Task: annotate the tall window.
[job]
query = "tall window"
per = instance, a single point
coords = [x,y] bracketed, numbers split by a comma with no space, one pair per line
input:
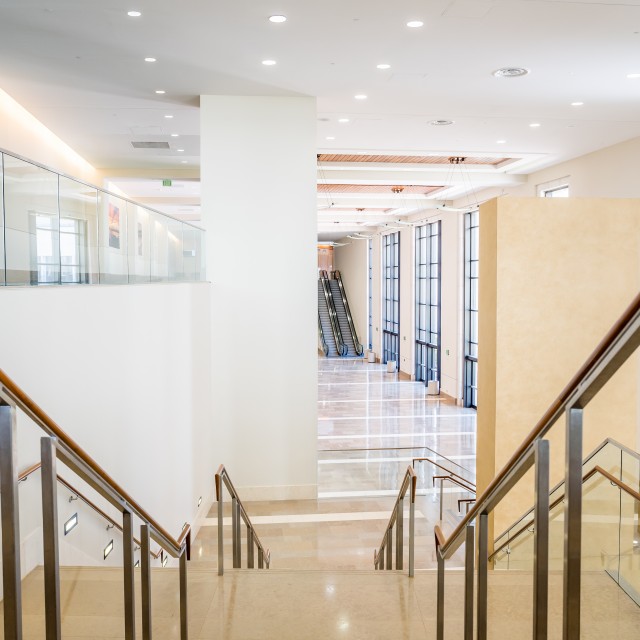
[391,298]
[428,268]
[370,295]
[471,256]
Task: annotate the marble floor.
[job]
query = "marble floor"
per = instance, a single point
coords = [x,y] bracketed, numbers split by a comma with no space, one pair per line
[371,426]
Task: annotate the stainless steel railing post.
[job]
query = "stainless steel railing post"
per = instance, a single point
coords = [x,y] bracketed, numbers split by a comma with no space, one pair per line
[220,526]
[235,530]
[48,477]
[572,526]
[260,559]
[441,480]
[184,618]
[389,548]
[145,578]
[541,541]
[483,562]
[469,558]
[440,599]
[11,577]
[129,577]
[412,527]
[399,535]
[249,548]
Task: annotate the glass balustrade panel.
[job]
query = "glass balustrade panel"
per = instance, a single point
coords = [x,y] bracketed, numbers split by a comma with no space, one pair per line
[2,261]
[139,219]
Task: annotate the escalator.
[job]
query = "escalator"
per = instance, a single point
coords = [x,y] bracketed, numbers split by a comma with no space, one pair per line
[325,325]
[345,320]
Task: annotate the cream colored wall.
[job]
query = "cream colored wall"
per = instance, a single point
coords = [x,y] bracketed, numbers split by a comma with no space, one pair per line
[554,276]
[352,261]
[22,134]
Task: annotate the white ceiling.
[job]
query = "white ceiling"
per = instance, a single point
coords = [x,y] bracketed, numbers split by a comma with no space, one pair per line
[79,67]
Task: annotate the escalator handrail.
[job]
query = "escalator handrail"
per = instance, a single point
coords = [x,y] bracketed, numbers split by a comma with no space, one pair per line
[325,346]
[352,328]
[342,348]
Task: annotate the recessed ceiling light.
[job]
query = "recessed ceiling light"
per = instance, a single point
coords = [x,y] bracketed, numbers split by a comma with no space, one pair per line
[383,66]
[501,141]
[277,19]
[633,76]
[511,72]
[360,96]
[183,161]
[134,14]
[160,92]
[180,150]
[577,104]
[169,116]
[175,135]
[150,60]
[534,125]
[415,24]
[331,137]
[343,120]
[268,63]
[441,123]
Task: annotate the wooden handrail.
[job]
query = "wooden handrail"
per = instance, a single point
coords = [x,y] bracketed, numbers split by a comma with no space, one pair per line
[550,416]
[33,468]
[597,469]
[40,417]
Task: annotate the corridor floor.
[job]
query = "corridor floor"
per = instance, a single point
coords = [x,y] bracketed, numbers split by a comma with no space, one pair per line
[371,425]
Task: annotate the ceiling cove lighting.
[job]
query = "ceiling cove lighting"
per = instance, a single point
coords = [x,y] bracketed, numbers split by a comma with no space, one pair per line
[277,19]
[383,66]
[415,24]
[71,524]
[134,14]
[360,96]
[108,549]
[268,63]
[150,60]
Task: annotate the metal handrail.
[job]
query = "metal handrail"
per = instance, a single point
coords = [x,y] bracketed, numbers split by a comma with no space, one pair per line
[619,342]
[333,316]
[74,456]
[382,558]
[612,352]
[24,475]
[58,445]
[325,346]
[596,451]
[440,466]
[352,327]
[237,511]
[587,476]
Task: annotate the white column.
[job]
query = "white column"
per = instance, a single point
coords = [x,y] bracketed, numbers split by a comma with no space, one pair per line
[259,209]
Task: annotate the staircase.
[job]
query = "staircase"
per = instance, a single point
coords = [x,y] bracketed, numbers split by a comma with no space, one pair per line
[325,322]
[343,321]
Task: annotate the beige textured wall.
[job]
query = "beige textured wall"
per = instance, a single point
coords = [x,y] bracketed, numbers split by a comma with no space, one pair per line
[554,276]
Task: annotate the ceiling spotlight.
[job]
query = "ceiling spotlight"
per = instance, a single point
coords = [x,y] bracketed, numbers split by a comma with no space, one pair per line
[150,60]
[183,162]
[134,14]
[633,76]
[511,72]
[415,24]
[360,96]
[175,135]
[534,125]
[268,63]
[331,137]
[441,123]
[383,66]
[160,92]
[397,189]
[501,141]
[277,19]
[343,120]
[180,150]
[577,104]
[168,116]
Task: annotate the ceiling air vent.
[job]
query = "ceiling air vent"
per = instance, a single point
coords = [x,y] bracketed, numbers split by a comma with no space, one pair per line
[150,145]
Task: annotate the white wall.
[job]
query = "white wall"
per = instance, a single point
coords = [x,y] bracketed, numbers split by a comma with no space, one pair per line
[259,207]
[125,371]
[352,261]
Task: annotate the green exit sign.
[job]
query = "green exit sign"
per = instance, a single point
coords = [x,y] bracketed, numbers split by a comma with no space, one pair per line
[166,182]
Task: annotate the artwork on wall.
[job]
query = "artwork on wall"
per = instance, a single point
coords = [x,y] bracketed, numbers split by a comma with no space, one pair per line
[139,238]
[114,226]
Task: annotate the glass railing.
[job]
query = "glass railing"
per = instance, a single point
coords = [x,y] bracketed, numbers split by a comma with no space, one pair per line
[610,529]
[58,230]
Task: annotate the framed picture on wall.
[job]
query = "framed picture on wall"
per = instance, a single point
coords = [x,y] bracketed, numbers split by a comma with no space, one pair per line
[114,226]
